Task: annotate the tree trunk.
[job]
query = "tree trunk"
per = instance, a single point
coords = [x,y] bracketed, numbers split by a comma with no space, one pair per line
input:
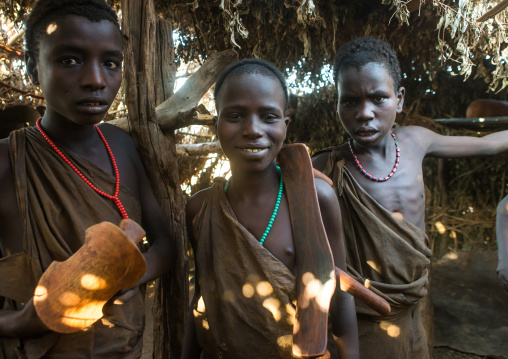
[149,73]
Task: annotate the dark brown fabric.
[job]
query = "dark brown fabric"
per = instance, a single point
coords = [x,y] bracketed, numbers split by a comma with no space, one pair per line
[391,257]
[231,264]
[57,206]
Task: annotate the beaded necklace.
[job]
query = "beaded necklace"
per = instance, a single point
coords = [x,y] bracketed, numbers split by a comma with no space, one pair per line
[114,197]
[369,176]
[275,210]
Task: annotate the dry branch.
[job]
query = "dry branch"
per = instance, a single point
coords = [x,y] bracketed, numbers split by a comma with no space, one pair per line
[3,84]
[198,149]
[180,108]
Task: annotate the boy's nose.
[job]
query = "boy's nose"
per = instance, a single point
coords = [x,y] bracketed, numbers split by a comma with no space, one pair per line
[93,76]
[364,112]
[252,127]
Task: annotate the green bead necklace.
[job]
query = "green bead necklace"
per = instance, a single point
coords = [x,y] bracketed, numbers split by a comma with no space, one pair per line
[275,210]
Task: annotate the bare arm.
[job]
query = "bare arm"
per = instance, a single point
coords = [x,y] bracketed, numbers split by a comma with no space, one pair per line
[502,243]
[342,308]
[437,145]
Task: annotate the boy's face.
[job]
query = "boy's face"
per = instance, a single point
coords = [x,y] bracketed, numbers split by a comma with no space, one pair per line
[79,68]
[251,125]
[368,103]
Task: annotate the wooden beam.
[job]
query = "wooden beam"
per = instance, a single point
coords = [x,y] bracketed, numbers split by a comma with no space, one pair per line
[179,109]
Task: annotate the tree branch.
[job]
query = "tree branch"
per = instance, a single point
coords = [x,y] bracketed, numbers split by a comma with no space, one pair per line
[3,84]
[198,149]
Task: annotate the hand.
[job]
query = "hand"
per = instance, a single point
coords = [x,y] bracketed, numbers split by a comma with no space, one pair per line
[124,295]
[22,324]
[502,275]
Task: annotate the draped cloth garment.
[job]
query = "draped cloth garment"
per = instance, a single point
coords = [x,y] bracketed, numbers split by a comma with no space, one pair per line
[246,306]
[391,257]
[56,207]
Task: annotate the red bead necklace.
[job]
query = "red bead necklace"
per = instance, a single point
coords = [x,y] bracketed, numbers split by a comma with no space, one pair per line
[369,176]
[115,198]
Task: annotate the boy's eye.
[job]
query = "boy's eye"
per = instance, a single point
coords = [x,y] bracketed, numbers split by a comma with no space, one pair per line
[270,118]
[112,64]
[233,116]
[347,102]
[69,61]
[379,99]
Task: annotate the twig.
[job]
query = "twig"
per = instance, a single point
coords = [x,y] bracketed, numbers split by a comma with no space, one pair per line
[3,84]
[494,11]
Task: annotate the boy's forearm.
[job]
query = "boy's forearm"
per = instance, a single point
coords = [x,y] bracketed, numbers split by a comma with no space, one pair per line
[344,325]
[501,138]
[21,324]
[159,259]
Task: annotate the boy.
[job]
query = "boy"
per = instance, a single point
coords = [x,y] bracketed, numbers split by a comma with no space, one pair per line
[378,179]
[244,245]
[65,175]
[502,245]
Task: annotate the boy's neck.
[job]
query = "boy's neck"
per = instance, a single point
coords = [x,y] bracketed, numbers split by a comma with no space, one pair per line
[251,185]
[383,148]
[67,133]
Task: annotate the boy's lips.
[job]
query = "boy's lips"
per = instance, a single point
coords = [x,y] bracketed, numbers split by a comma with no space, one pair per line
[93,105]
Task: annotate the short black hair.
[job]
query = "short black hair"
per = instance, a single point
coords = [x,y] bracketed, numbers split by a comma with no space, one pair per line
[46,11]
[365,50]
[252,66]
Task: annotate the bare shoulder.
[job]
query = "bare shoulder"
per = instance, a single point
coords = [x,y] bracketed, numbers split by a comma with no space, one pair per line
[116,135]
[326,195]
[194,204]
[413,134]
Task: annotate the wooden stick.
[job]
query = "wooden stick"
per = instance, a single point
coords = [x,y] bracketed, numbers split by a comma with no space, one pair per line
[493,12]
[350,285]
[3,84]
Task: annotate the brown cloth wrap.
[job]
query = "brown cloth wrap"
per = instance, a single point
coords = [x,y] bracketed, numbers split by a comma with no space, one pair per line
[56,207]
[247,296]
[391,257]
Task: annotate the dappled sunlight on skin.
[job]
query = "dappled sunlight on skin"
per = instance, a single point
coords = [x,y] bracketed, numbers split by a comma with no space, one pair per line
[264,288]
[318,291]
[273,306]
[248,290]
[374,266]
[391,329]
[506,207]
[51,28]
[399,217]
[440,227]
[93,282]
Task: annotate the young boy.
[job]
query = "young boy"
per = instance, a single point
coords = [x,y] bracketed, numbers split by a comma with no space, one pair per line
[242,236]
[502,243]
[378,179]
[61,177]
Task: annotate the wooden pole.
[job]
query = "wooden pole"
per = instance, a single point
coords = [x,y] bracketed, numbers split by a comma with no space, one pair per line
[149,74]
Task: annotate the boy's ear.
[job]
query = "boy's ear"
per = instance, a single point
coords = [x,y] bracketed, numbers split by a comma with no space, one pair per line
[31,67]
[400,99]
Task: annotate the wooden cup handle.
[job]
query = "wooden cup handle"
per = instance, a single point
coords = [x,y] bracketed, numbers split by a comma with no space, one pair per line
[350,285]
